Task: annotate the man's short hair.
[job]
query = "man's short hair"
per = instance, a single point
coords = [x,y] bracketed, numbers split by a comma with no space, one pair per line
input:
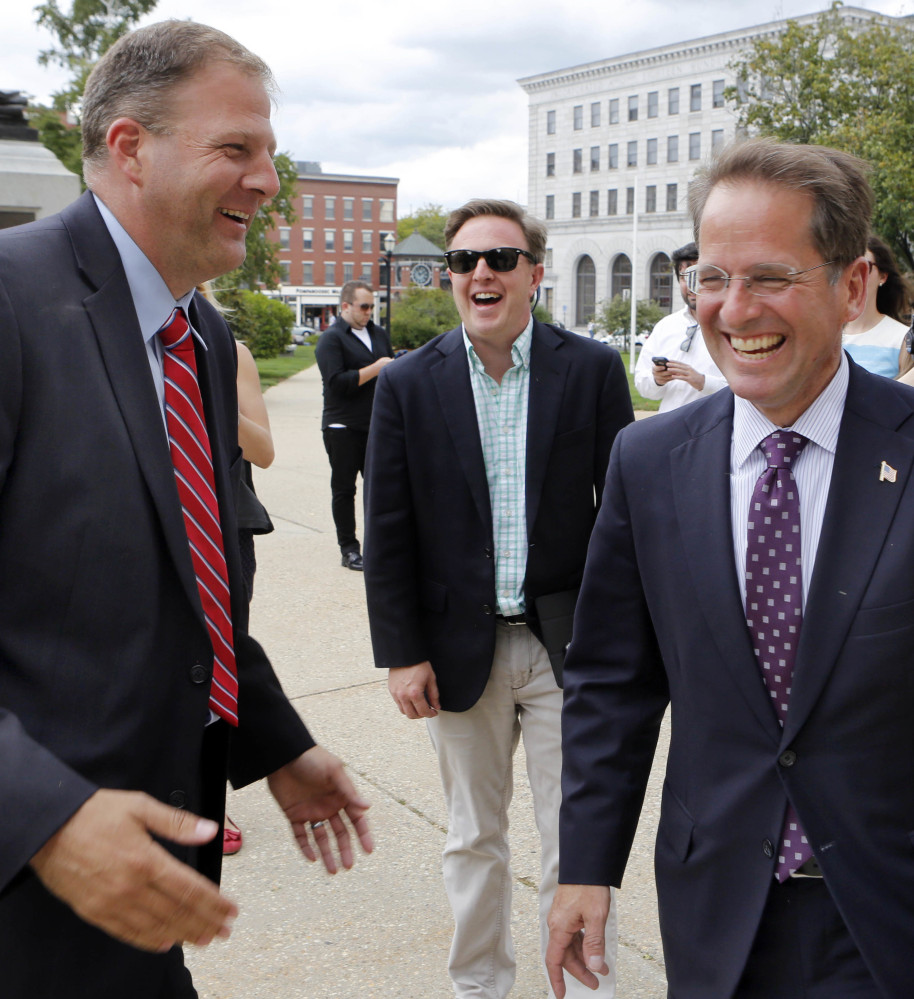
[685,254]
[347,292]
[534,231]
[836,181]
[136,76]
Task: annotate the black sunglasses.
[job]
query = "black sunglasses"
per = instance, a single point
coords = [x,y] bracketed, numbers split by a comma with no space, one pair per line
[500,259]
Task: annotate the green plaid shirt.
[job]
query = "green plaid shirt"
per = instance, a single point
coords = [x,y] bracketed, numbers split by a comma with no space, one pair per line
[501,412]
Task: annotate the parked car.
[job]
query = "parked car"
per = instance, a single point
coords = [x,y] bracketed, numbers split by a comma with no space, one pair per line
[300,333]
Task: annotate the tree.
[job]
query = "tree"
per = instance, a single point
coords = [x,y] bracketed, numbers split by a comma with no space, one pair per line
[614,316]
[427,221]
[422,313]
[834,82]
[264,324]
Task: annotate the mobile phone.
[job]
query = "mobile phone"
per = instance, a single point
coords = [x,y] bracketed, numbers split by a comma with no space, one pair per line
[661,362]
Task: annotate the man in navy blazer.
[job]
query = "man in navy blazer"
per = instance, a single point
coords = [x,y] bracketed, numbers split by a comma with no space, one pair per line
[112,780]
[662,619]
[486,459]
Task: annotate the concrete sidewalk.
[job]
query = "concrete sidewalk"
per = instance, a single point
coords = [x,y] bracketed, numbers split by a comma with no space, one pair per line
[382,930]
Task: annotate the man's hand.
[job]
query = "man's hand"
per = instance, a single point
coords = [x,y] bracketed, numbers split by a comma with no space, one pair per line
[661,373]
[106,866]
[577,928]
[373,370]
[686,373]
[314,792]
[415,690]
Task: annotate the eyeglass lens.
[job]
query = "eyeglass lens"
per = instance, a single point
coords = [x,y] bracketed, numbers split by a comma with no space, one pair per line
[499,259]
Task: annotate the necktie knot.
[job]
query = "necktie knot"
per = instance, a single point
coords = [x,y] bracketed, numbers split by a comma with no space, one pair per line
[176,332]
[782,447]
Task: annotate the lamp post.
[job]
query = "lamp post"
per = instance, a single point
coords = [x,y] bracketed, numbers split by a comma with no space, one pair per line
[390,241]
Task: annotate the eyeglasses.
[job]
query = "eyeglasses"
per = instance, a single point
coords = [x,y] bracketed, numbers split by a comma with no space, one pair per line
[765,279]
[364,306]
[501,259]
[689,337]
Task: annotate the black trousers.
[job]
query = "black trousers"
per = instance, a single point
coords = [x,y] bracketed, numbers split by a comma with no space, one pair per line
[346,451]
[803,949]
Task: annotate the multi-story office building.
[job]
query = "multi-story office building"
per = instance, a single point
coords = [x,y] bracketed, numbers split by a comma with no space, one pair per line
[337,236]
[613,147]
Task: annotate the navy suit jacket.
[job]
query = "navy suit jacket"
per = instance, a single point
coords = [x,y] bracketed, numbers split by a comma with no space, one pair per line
[105,660]
[660,618]
[429,560]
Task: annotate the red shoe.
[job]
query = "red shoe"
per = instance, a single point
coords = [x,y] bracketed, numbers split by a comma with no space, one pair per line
[231,838]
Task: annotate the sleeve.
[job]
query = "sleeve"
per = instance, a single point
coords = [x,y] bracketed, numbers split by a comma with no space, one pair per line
[331,360]
[615,413]
[644,377]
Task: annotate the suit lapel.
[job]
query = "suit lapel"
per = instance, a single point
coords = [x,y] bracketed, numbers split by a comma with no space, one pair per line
[548,374]
[701,468]
[451,377]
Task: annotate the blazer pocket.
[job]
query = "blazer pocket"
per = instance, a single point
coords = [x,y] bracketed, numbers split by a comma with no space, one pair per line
[876,620]
[433,596]
[572,438]
[676,825]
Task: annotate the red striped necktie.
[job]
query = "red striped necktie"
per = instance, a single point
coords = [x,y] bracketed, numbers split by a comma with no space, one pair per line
[193,461]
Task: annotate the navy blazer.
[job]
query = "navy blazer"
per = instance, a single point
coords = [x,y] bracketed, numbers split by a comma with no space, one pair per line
[429,565]
[105,660]
[660,618]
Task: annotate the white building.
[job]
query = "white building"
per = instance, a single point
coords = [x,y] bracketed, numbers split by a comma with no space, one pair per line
[624,133]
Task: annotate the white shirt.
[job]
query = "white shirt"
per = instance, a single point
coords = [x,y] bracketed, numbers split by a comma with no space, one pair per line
[666,341]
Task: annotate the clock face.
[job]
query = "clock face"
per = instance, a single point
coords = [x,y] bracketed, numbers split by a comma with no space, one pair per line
[421,274]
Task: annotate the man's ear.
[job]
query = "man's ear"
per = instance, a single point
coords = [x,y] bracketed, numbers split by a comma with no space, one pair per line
[124,139]
[856,277]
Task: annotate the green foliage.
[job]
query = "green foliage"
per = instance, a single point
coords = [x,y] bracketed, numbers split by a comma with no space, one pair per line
[541,315]
[428,221]
[614,316]
[834,84]
[273,370]
[264,324]
[420,315]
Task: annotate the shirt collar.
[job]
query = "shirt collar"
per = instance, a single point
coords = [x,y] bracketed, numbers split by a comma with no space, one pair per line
[151,298]
[520,349]
[820,423]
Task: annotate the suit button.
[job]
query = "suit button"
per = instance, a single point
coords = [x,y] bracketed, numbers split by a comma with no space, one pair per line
[199,674]
[486,609]
[767,848]
[487,552]
[787,758]
[177,799]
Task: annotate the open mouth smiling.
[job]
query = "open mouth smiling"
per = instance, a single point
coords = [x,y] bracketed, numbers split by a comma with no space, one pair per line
[757,347]
[485,298]
[237,216]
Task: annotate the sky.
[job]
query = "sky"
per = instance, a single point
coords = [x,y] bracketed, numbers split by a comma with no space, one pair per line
[428,92]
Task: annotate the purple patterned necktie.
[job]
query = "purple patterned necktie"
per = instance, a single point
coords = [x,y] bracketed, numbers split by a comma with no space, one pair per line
[774,598]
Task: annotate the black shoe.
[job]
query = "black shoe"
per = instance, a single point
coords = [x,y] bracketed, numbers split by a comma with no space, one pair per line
[352,560]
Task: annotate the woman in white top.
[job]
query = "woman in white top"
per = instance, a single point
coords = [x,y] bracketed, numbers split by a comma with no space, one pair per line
[874,339]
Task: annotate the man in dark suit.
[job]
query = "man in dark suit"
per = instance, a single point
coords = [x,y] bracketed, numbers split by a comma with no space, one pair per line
[771,604]
[350,354]
[486,457]
[114,736]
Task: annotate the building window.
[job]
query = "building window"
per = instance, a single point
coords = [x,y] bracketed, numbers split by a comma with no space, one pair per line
[550,206]
[594,158]
[614,111]
[348,272]
[595,114]
[695,97]
[348,236]
[578,117]
[366,272]
[672,198]
[694,145]
[387,209]
[550,123]
[548,300]
[577,165]
[307,276]
[284,238]
[717,93]
[613,163]
[547,261]
[633,108]
[307,239]
[717,138]
[653,104]
[348,209]
[621,280]
[651,152]
[329,238]
[672,100]
[367,244]
[330,208]
[612,202]
[329,273]
[576,205]
[632,157]
[307,207]
[367,210]
[672,149]
[629,201]
[650,198]
[586,289]
[594,204]
[662,281]
[284,271]
[550,164]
